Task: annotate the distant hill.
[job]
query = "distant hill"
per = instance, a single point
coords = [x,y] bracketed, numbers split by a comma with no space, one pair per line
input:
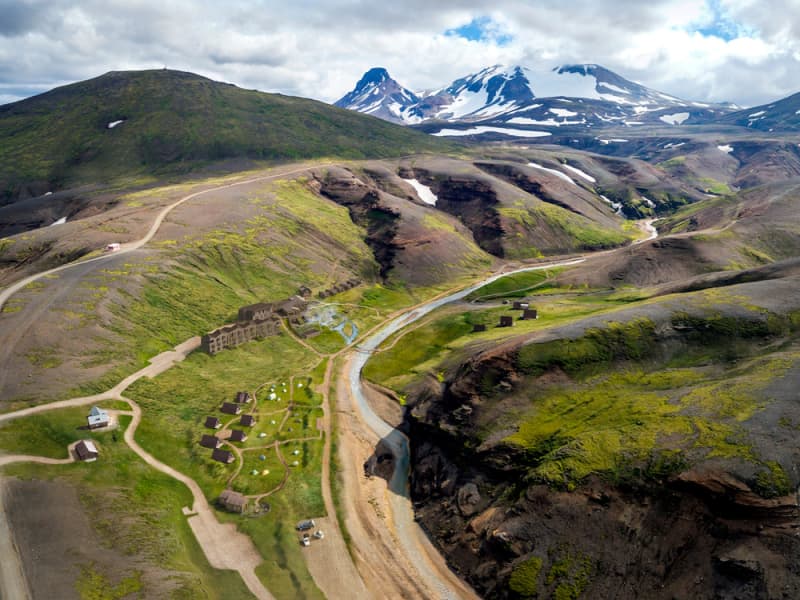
[161,121]
[781,115]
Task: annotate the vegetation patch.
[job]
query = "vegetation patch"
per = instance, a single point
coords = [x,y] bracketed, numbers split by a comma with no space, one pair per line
[525,577]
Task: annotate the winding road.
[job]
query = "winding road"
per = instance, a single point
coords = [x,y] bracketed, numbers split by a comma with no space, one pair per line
[223,545]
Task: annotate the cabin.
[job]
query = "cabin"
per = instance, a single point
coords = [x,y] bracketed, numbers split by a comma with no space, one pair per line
[242,397]
[247,421]
[86,451]
[222,456]
[232,501]
[237,435]
[210,441]
[529,313]
[229,408]
[506,321]
[97,418]
[478,327]
[213,423]
[521,304]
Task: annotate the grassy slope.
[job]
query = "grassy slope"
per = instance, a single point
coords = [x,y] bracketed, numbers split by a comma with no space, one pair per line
[172,120]
[626,408]
[151,524]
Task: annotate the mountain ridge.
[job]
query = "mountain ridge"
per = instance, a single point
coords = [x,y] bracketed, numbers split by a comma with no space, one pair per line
[499,93]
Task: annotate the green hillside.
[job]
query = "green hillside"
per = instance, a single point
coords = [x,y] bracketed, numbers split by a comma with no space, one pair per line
[171,121]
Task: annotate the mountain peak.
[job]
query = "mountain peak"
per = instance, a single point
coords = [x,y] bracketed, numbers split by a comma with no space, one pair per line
[377,94]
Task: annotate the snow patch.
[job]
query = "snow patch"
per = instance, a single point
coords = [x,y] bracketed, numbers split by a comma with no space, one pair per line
[558,174]
[649,202]
[673,145]
[546,123]
[61,221]
[423,191]
[617,206]
[613,141]
[727,148]
[563,112]
[757,114]
[484,129]
[675,119]
[115,123]
[580,173]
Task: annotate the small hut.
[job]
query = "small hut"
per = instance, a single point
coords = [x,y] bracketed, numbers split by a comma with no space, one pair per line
[237,435]
[242,397]
[232,501]
[529,313]
[210,441]
[229,408]
[247,421]
[222,456]
[97,418]
[86,451]
[213,423]
[506,321]
[478,327]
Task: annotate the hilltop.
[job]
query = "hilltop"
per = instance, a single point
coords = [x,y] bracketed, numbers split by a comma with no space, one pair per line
[127,123]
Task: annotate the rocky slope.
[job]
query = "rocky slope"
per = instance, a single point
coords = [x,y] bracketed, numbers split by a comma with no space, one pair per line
[589,461]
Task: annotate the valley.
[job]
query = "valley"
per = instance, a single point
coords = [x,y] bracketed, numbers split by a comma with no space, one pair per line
[557,366]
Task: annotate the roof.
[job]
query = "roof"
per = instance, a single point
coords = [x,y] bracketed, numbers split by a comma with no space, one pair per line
[230,408]
[97,412]
[97,419]
[212,421]
[86,449]
[232,498]
[209,441]
[237,435]
[247,420]
[222,455]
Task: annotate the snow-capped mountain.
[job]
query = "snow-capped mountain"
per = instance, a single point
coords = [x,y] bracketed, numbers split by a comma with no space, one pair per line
[586,95]
[781,115]
[491,92]
[377,94]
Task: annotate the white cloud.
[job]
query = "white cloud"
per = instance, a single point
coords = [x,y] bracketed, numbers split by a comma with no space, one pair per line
[320,48]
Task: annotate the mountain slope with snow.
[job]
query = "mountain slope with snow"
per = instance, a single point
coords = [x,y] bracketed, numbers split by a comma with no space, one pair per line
[780,115]
[377,94]
[583,95]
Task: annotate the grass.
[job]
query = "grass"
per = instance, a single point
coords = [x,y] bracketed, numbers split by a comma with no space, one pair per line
[49,433]
[514,286]
[175,405]
[613,424]
[524,578]
[177,122]
[417,351]
[135,511]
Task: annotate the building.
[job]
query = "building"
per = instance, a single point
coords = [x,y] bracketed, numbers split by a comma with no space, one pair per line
[478,327]
[86,451]
[521,304]
[506,321]
[232,501]
[97,418]
[529,313]
[222,456]
[213,423]
[256,312]
[210,441]
[229,408]
[237,435]
[242,397]
[231,336]
[247,421]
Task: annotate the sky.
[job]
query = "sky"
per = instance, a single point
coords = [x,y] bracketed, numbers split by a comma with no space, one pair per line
[742,51]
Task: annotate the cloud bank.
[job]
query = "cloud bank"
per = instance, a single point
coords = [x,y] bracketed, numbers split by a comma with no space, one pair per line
[708,50]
